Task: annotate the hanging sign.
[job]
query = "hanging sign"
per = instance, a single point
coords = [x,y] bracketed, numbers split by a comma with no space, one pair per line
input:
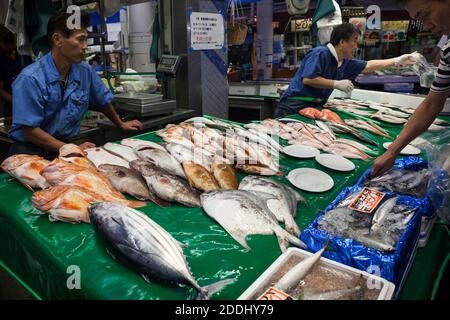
[300,25]
[207,31]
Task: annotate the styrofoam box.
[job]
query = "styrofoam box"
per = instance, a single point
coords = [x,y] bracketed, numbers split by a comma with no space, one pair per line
[262,283]
[425,230]
[269,90]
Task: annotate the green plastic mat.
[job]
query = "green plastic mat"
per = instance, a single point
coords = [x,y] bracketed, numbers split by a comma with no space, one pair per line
[44,254]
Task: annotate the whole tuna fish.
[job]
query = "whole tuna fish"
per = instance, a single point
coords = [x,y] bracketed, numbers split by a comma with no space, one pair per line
[284,206]
[137,241]
[165,185]
[243,213]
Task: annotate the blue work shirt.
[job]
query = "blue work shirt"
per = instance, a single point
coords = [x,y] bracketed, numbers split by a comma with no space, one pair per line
[39,100]
[320,62]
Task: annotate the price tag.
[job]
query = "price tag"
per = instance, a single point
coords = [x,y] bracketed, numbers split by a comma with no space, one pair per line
[274,294]
[367,200]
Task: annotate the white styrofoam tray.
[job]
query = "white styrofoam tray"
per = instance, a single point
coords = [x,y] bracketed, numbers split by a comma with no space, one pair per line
[262,283]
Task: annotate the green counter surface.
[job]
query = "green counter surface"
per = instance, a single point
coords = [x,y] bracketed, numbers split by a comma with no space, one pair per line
[43,254]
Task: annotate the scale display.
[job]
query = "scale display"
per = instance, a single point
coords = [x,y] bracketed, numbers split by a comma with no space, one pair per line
[168,64]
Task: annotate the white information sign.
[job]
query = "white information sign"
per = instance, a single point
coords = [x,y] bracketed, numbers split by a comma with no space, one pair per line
[207,31]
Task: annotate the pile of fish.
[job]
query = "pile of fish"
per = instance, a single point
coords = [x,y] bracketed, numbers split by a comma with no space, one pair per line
[205,142]
[320,136]
[380,230]
[410,182]
[380,111]
[256,208]
[325,115]
[135,240]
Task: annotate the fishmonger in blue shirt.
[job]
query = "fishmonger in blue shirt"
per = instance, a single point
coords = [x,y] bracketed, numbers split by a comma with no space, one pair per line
[330,67]
[51,96]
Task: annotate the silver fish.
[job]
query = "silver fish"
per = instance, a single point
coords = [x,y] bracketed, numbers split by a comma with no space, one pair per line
[243,213]
[298,272]
[284,206]
[131,182]
[120,150]
[137,241]
[165,185]
[137,144]
[162,159]
[381,213]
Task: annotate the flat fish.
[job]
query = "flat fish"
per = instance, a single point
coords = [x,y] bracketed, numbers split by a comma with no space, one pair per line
[125,152]
[162,159]
[166,185]
[283,206]
[27,169]
[243,213]
[135,240]
[137,144]
[99,156]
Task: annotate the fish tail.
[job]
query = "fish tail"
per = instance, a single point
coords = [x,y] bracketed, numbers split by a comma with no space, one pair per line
[206,292]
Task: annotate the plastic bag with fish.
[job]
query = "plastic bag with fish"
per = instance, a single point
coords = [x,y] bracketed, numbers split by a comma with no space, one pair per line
[353,242]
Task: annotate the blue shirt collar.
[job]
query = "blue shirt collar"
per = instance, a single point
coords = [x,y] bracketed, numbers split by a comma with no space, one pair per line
[53,73]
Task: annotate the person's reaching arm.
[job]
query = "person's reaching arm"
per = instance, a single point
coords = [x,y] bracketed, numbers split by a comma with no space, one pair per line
[422,118]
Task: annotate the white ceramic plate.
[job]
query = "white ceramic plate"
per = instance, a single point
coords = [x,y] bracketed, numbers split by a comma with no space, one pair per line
[335,162]
[300,151]
[311,180]
[409,150]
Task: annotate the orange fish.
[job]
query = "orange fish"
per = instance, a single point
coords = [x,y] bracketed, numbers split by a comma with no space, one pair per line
[311,113]
[66,203]
[60,172]
[74,154]
[330,116]
[26,168]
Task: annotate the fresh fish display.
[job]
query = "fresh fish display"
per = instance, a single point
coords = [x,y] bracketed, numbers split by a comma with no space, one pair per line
[120,150]
[243,213]
[73,154]
[27,169]
[283,206]
[165,185]
[409,182]
[292,278]
[135,240]
[162,159]
[382,234]
[99,156]
[368,126]
[351,131]
[126,181]
[225,175]
[325,114]
[137,144]
[199,177]
[196,155]
[388,118]
[59,173]
[65,203]
[258,170]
